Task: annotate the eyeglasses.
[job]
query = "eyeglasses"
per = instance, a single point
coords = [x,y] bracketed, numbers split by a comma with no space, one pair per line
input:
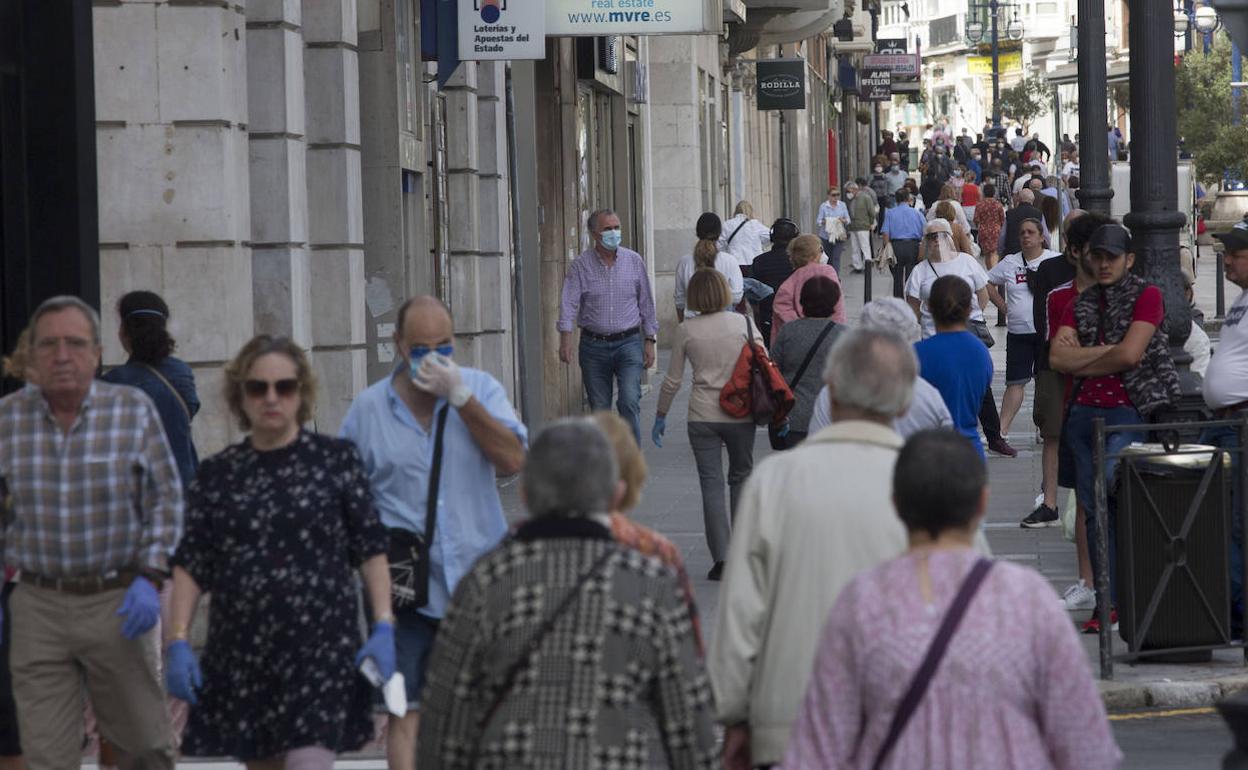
[50,344]
[260,388]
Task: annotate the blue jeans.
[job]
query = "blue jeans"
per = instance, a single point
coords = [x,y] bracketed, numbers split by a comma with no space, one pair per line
[1079,428]
[414,635]
[602,364]
[1228,438]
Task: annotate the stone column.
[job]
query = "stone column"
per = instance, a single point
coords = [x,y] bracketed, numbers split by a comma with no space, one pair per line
[494,343]
[171,139]
[677,168]
[335,205]
[278,163]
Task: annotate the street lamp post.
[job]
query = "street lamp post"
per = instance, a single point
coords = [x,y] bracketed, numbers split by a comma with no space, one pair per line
[975,34]
[1095,192]
[1155,219]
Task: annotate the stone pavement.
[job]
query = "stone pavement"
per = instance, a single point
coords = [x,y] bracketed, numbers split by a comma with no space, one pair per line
[672,505]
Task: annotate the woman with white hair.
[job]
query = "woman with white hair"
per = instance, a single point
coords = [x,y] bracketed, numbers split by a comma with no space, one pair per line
[928,409]
[561,647]
[743,236]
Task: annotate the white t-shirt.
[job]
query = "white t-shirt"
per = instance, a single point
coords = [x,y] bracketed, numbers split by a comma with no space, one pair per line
[1226,380]
[925,274]
[1011,272]
[927,410]
[1070,169]
[748,241]
[724,263]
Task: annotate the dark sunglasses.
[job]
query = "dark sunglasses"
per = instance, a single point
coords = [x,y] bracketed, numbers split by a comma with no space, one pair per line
[260,388]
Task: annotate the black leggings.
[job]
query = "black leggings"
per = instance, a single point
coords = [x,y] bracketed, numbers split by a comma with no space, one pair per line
[989,419]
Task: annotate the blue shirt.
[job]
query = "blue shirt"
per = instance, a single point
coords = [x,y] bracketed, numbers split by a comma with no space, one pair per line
[175,419]
[959,366]
[902,223]
[974,165]
[828,211]
[397,453]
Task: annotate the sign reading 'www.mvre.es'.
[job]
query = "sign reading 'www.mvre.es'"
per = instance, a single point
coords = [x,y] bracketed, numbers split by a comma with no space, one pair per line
[633,17]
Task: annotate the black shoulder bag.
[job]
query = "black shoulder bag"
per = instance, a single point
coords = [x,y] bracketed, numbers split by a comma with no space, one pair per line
[779,442]
[931,661]
[744,222]
[409,551]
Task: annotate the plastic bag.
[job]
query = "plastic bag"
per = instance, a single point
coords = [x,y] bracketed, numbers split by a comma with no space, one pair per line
[1070,513]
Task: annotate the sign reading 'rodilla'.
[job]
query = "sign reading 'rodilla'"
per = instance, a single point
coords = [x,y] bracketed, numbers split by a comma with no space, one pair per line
[781,84]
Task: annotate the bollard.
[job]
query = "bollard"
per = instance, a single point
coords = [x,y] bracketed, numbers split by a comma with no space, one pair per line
[1234,710]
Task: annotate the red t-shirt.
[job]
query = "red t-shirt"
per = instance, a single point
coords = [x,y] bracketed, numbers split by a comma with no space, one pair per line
[1108,392]
[1059,299]
[970,194]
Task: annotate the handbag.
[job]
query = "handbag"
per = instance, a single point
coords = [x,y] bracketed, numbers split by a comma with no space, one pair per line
[980,329]
[756,388]
[409,551]
[779,442]
[931,661]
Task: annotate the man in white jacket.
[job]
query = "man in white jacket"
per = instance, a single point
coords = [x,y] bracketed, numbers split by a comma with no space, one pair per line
[808,521]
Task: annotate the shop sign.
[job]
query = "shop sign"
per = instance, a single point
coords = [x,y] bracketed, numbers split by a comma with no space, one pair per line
[582,18]
[1006,62]
[875,85]
[502,29]
[781,84]
[900,64]
[894,45]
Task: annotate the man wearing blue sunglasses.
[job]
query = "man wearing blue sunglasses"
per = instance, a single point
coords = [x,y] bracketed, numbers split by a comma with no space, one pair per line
[398,424]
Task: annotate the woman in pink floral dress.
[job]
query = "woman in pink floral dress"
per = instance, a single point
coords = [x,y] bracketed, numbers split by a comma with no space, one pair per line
[1013,691]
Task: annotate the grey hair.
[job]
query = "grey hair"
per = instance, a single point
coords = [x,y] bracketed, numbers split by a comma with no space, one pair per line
[891,314]
[594,216]
[64,302]
[873,371]
[571,470]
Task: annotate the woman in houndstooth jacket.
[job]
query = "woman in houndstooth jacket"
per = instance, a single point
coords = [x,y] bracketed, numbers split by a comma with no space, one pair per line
[561,648]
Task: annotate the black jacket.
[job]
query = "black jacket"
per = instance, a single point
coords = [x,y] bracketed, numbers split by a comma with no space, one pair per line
[772,268]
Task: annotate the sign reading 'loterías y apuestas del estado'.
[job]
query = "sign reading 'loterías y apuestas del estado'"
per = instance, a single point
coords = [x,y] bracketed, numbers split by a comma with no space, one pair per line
[633,17]
[502,29]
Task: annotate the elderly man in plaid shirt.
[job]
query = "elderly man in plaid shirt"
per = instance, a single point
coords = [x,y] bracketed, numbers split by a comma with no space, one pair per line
[95,509]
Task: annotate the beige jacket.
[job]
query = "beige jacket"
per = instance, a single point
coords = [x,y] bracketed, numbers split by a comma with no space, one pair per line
[808,521]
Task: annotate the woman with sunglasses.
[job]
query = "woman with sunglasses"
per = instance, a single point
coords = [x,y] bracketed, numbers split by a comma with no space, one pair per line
[276,525]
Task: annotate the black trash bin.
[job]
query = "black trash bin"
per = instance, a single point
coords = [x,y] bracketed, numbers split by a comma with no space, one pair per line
[1173,549]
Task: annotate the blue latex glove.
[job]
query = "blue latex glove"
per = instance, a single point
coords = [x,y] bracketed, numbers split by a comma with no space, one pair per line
[784,430]
[182,675]
[141,608]
[656,433]
[379,647]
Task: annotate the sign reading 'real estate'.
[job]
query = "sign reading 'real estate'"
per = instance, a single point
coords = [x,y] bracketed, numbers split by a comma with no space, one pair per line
[580,18]
[502,29]
[781,84]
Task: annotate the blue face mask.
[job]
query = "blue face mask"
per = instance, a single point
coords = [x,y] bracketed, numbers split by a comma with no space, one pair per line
[418,353]
[611,239]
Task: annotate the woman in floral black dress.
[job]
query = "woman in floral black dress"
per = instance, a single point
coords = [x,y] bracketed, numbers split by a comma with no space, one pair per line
[275,527]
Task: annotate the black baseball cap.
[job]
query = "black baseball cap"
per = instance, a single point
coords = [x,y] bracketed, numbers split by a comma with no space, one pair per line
[1113,239]
[1236,238]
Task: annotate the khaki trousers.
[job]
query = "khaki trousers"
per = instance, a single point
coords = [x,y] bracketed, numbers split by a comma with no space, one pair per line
[62,642]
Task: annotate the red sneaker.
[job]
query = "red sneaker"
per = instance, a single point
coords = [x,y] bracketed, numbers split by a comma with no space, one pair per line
[1001,447]
[1093,626]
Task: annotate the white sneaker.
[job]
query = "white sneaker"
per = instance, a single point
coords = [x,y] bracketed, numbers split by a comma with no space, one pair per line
[1079,597]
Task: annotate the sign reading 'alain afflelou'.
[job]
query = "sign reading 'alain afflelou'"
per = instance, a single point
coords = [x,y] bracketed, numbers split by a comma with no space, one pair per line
[781,84]
[502,29]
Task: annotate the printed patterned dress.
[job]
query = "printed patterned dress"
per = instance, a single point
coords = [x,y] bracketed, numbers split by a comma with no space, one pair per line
[1013,692]
[276,537]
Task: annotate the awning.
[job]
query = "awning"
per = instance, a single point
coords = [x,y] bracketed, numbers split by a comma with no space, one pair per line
[1068,74]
